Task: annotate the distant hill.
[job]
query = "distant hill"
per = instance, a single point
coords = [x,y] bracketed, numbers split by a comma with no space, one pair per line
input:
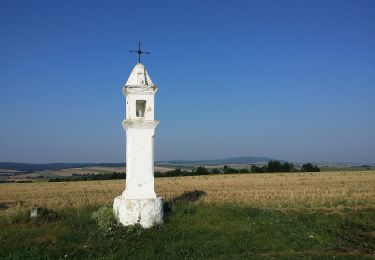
[29,167]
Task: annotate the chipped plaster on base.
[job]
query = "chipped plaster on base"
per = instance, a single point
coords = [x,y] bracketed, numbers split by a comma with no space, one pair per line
[146,212]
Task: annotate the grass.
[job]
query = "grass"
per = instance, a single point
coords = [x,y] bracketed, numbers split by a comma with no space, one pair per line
[319,215]
[192,231]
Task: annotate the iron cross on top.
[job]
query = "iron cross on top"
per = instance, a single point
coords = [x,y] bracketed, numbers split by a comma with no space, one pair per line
[140,52]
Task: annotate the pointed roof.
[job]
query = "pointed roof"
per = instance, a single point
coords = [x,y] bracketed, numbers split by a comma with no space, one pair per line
[139,77]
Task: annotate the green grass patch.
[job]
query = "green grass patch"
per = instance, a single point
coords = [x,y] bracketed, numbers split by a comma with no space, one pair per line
[190,231]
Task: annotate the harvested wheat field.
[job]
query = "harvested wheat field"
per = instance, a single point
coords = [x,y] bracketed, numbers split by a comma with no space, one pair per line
[290,215]
[324,190]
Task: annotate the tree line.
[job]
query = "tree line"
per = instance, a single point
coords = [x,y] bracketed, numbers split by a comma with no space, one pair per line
[91,177]
[271,167]
[276,166]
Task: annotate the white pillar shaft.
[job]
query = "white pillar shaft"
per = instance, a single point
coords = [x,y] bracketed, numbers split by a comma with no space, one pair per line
[139,163]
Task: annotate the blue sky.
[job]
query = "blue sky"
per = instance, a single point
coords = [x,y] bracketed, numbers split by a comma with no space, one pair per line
[291,80]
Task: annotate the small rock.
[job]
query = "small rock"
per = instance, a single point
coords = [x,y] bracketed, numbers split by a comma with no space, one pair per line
[34,212]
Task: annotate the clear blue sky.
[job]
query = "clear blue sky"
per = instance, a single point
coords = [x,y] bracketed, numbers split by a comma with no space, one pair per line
[291,80]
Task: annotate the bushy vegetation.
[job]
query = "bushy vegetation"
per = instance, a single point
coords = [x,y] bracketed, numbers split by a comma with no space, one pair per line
[308,167]
[91,177]
[276,166]
[16,181]
[174,173]
[270,167]
[200,170]
[105,219]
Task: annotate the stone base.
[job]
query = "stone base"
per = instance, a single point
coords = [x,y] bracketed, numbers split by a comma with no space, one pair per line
[147,212]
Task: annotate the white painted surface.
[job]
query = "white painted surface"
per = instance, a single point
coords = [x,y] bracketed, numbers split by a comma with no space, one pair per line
[139,77]
[139,124]
[139,160]
[146,212]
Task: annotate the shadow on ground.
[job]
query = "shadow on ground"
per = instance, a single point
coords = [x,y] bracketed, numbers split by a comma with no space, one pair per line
[187,196]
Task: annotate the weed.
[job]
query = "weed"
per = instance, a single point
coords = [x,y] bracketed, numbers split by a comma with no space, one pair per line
[110,227]
[105,219]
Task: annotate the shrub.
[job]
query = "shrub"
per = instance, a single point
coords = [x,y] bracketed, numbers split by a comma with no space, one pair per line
[215,171]
[274,166]
[256,169]
[105,219]
[201,171]
[308,167]
[229,170]
[287,167]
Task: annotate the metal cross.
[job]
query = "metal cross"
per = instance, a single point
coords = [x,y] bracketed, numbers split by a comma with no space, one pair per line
[140,52]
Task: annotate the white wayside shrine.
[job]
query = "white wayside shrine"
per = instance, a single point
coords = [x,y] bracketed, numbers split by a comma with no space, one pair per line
[138,204]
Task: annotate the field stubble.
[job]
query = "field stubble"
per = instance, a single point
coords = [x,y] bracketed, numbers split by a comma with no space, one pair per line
[324,190]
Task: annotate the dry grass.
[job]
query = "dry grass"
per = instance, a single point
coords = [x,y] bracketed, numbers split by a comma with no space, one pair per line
[326,190]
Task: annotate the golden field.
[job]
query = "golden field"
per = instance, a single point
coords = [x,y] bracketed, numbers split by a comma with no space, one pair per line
[324,190]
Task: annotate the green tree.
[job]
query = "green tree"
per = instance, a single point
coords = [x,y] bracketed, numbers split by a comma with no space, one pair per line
[201,171]
[229,170]
[308,167]
[256,169]
[274,166]
[287,167]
